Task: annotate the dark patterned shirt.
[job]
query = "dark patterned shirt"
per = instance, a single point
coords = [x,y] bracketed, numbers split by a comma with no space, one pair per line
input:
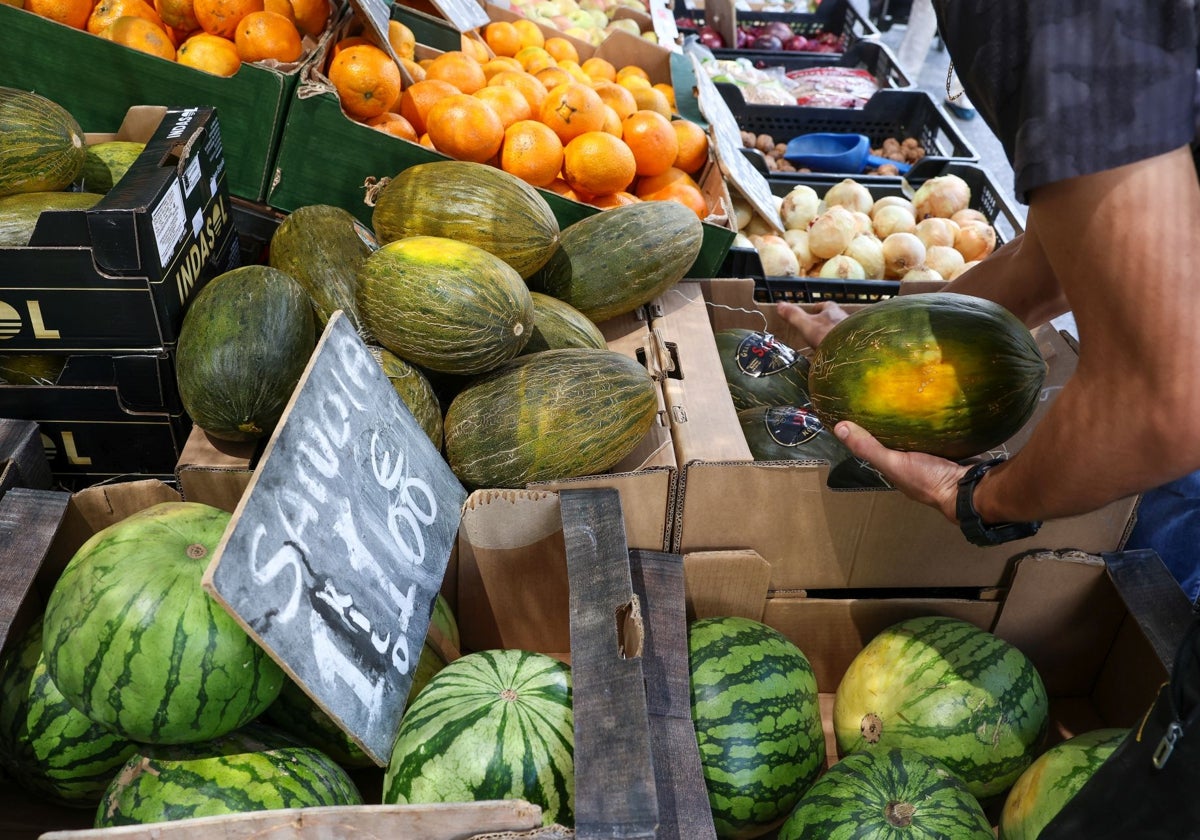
[1073,87]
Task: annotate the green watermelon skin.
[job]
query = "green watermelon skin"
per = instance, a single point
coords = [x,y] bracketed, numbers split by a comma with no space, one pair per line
[135,643]
[950,690]
[1052,780]
[251,769]
[47,746]
[887,795]
[757,719]
[495,724]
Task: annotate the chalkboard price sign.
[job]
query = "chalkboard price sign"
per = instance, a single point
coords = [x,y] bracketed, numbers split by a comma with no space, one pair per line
[339,545]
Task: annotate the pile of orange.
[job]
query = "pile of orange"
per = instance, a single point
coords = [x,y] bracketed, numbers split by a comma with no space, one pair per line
[525,103]
[215,36]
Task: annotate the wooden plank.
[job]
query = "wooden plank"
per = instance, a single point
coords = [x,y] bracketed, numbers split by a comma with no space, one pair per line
[683,809]
[29,519]
[614,777]
[1153,598]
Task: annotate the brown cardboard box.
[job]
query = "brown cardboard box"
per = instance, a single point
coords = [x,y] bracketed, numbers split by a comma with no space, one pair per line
[813,537]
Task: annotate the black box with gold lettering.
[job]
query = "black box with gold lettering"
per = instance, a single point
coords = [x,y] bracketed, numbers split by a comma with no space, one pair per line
[118,276]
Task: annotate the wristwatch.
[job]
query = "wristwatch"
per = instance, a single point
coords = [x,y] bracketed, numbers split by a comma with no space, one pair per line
[972,524]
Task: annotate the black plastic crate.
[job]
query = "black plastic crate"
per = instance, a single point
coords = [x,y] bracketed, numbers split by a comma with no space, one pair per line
[872,56]
[838,17]
[817,289]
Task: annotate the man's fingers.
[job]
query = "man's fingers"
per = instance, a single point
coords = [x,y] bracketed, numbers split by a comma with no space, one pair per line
[863,444]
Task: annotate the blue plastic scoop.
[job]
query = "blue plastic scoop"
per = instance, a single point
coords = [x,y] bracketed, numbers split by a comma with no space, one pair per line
[832,152]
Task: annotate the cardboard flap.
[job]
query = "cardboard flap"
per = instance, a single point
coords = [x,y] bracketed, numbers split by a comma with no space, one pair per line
[1154,598]
[29,519]
[726,583]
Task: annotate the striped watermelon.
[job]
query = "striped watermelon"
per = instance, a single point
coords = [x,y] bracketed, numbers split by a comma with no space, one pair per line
[51,749]
[894,794]
[754,705]
[251,769]
[946,688]
[136,644]
[496,724]
[1050,782]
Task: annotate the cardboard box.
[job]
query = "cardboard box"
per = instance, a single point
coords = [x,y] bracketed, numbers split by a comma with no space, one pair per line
[813,537]
[22,458]
[98,81]
[118,276]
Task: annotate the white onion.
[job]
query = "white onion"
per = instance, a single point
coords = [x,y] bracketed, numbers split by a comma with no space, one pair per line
[814,270]
[799,207]
[842,267]
[969,214]
[922,274]
[936,231]
[758,225]
[777,258]
[975,240]
[741,240]
[943,259]
[868,251]
[798,241]
[831,232]
[901,253]
[742,212]
[893,219]
[893,201]
[863,223]
[850,194]
[942,196]
[962,268]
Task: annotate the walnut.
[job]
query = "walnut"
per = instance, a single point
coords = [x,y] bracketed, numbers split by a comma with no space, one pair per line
[890,146]
[911,143]
[765,143]
[784,165]
[887,169]
[916,154]
[749,139]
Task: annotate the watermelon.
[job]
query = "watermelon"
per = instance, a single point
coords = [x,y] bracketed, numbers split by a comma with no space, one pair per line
[49,747]
[135,643]
[761,370]
[950,690]
[1053,779]
[754,705]
[254,768]
[496,724]
[887,795]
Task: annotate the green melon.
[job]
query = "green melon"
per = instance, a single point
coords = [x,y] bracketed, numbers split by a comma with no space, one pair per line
[557,325]
[495,724]
[415,390]
[19,213]
[135,643]
[760,370]
[758,723]
[948,689]
[107,162]
[41,145]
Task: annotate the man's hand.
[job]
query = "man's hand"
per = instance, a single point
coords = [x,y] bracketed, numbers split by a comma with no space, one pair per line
[924,478]
[813,326]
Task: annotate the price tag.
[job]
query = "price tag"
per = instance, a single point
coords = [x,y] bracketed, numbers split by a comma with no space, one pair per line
[338,547]
[727,140]
[376,14]
[664,25]
[464,15]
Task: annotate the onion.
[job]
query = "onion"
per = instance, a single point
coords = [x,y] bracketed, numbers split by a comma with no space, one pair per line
[962,268]
[943,259]
[741,240]
[893,219]
[942,196]
[975,240]
[922,274]
[969,214]
[800,206]
[893,200]
[842,267]
[868,252]
[850,194]
[863,223]
[742,212]
[798,240]
[759,225]
[777,258]
[901,253]
[814,270]
[831,232]
[936,231]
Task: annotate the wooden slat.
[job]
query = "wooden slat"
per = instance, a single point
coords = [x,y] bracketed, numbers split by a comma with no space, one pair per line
[29,519]
[614,776]
[683,809]
[1153,597]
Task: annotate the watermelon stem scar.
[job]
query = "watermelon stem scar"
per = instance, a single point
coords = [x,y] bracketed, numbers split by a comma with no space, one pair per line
[872,728]
[900,814]
[196,551]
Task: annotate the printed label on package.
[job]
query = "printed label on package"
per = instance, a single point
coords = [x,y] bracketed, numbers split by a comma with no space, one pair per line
[192,175]
[759,354]
[789,425]
[169,220]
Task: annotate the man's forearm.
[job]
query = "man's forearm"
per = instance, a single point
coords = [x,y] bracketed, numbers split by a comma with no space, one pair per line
[1018,278]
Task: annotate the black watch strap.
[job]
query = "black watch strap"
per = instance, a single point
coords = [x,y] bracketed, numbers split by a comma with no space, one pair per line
[972,524]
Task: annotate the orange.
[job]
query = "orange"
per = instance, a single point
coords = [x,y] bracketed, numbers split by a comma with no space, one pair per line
[693,146]
[474,48]
[632,70]
[465,128]
[617,199]
[501,63]
[652,140]
[508,103]
[531,35]
[417,99]
[503,38]
[141,34]
[267,35]
[632,81]
[573,109]
[459,69]
[415,71]
[686,194]
[552,77]
[426,142]
[106,11]
[177,14]
[617,98]
[73,13]
[560,187]
[650,99]
[210,53]
[652,183]
[366,79]
[280,7]
[596,163]
[402,39]
[345,43]
[220,17]
[612,122]
[668,91]
[390,123]
[576,72]
[311,15]
[561,49]
[533,90]
[599,69]
[534,59]
[532,152]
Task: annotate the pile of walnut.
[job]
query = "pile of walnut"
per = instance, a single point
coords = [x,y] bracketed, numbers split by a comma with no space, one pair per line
[907,151]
